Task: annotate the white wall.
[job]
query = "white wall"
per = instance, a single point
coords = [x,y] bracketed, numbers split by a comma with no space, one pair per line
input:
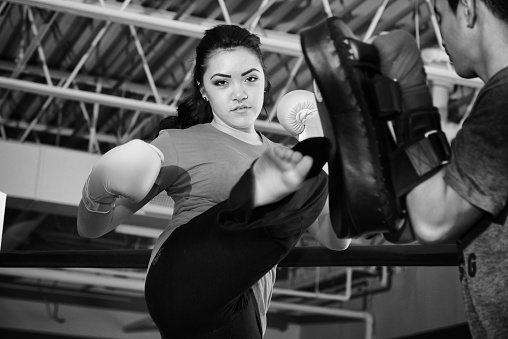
[421,299]
[50,179]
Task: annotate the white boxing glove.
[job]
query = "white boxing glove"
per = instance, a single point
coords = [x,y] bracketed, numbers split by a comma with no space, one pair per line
[126,171]
[297,112]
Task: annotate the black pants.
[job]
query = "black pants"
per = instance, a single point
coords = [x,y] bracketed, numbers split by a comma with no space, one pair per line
[199,285]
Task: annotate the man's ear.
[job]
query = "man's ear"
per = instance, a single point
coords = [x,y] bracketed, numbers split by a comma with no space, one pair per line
[469,12]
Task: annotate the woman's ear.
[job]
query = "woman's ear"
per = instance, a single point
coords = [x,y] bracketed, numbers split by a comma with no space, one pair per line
[201,90]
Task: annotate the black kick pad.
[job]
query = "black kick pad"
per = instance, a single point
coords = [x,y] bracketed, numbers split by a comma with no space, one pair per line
[355,103]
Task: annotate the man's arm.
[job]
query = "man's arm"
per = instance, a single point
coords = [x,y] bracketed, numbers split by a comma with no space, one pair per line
[438,213]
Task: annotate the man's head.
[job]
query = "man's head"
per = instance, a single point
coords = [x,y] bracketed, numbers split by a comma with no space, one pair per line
[499,8]
[472,30]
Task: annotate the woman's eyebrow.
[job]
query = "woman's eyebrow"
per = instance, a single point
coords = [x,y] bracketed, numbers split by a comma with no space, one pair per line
[220,75]
[250,70]
[229,76]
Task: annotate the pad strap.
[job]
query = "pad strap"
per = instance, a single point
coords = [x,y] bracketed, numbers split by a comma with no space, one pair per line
[388,98]
[418,159]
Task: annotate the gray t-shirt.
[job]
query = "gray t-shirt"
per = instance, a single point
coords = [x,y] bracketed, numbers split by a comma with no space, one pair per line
[478,172]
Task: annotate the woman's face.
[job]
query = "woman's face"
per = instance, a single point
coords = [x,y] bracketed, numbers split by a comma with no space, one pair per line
[234,84]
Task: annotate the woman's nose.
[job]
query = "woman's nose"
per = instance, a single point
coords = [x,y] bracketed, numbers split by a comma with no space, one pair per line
[239,93]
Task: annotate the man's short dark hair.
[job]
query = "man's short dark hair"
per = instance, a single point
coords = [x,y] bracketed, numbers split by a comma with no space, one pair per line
[499,8]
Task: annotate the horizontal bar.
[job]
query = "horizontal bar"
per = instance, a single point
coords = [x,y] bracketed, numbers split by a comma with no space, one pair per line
[309,256]
[85,96]
[162,21]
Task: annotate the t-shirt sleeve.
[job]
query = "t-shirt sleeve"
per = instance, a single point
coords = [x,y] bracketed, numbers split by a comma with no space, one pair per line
[170,170]
[478,170]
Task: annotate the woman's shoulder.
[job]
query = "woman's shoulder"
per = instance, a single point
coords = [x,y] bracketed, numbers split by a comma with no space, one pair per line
[197,134]
[206,134]
[193,130]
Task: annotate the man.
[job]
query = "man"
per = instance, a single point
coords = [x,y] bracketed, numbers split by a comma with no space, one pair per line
[467,200]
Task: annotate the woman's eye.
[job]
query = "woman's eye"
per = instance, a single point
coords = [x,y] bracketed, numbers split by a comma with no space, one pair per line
[220,82]
[252,79]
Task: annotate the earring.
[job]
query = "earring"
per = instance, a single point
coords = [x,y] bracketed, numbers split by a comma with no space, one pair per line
[205,98]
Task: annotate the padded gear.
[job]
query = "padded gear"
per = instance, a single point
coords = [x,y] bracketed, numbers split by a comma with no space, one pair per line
[423,147]
[128,170]
[361,92]
[294,109]
[354,118]
[401,60]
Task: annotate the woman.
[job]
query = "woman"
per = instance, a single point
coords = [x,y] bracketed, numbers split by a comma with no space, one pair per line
[241,201]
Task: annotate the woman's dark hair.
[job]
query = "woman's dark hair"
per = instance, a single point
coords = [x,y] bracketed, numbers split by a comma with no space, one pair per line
[499,8]
[193,109]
